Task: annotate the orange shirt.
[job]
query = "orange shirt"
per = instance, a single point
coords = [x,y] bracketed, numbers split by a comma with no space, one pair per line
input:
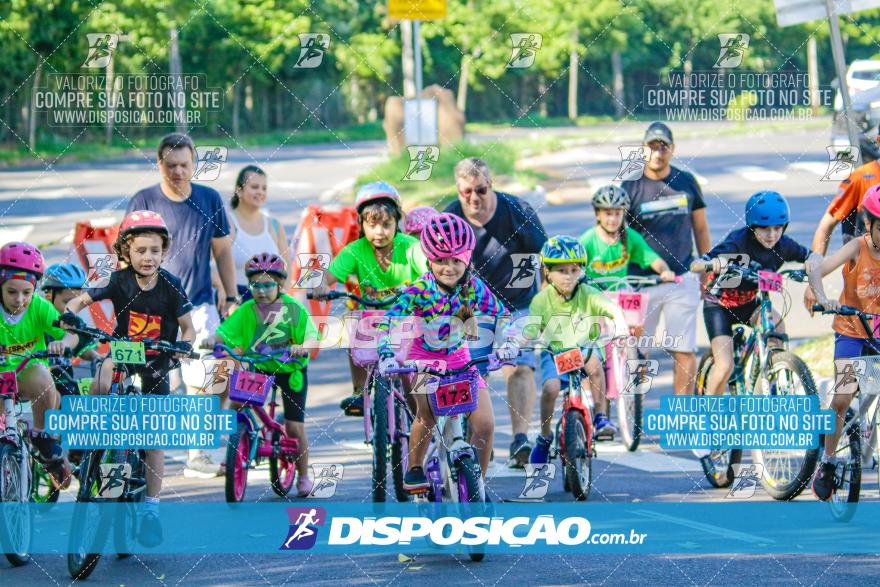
[861,290]
[853,189]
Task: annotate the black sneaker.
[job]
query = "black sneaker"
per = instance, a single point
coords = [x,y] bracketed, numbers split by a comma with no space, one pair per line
[708,465]
[823,481]
[150,534]
[353,405]
[520,450]
[415,480]
[47,447]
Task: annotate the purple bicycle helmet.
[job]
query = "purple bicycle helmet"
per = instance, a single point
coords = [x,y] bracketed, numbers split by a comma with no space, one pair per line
[265,263]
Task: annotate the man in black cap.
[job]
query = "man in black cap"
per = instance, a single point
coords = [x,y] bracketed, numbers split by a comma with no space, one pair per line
[668,210]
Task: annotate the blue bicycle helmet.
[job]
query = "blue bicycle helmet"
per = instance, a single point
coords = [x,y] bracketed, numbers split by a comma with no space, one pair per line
[767,209]
[63,276]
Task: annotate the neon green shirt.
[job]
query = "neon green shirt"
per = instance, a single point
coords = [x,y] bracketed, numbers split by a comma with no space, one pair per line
[29,334]
[408,263]
[284,323]
[604,260]
[566,324]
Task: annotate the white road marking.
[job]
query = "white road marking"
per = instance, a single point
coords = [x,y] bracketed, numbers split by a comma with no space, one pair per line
[15,233]
[755,173]
[817,168]
[708,528]
[644,459]
[293,185]
[334,191]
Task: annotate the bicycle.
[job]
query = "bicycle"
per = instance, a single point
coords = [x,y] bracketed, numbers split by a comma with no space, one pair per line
[20,464]
[451,464]
[124,466]
[258,434]
[387,427]
[858,439]
[763,369]
[621,384]
[573,441]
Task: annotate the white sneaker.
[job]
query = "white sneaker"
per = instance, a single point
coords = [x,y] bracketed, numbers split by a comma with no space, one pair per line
[201,467]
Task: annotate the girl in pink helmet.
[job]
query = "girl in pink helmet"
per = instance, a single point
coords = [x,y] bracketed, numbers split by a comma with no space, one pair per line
[860,259]
[26,321]
[382,259]
[274,319]
[448,290]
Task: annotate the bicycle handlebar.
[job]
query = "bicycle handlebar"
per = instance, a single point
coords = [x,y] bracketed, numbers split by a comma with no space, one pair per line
[411,367]
[280,355]
[149,344]
[337,295]
[634,281]
[864,317]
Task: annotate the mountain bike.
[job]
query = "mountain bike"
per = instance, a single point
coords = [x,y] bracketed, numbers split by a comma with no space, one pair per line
[622,384]
[108,475]
[762,368]
[258,434]
[20,463]
[451,464]
[858,444]
[387,416]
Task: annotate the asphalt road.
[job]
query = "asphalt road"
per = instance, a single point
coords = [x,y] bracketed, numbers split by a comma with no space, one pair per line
[41,204]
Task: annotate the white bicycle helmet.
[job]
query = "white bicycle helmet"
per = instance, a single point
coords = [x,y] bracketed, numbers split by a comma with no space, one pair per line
[611,197]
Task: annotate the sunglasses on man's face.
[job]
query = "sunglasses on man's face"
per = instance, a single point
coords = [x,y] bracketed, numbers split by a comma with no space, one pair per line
[659,146]
[263,285]
[480,191]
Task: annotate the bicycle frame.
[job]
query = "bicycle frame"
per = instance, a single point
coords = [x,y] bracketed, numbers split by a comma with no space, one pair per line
[575,401]
[261,425]
[396,396]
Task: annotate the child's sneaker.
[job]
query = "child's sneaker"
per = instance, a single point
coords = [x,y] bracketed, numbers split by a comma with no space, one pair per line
[541,453]
[603,427]
[150,534]
[353,405]
[304,486]
[415,480]
[823,481]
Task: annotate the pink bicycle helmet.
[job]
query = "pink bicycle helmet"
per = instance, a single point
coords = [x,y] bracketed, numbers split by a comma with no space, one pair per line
[265,263]
[871,202]
[22,256]
[447,235]
[418,218]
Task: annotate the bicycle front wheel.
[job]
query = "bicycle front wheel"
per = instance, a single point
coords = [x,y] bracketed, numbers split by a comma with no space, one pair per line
[89,529]
[848,476]
[718,464]
[238,460]
[380,437]
[15,531]
[629,409]
[578,455]
[786,472]
[400,453]
[470,490]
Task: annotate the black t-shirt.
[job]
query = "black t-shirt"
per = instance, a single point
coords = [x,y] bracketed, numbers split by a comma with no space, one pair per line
[514,229]
[661,212]
[145,314]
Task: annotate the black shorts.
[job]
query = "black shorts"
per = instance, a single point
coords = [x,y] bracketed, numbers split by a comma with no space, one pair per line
[294,401]
[720,320]
[152,382]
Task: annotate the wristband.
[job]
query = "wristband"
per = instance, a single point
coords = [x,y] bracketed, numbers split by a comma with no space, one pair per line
[231,299]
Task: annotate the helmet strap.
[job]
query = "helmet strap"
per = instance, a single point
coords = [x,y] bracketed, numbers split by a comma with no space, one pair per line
[871,234]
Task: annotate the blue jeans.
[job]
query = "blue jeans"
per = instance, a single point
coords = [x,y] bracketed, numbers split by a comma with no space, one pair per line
[487,326]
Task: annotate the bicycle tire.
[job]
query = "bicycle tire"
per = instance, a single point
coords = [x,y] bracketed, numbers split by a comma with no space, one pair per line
[10,469]
[470,490]
[400,454]
[578,455]
[784,490]
[81,564]
[42,488]
[846,493]
[281,471]
[125,527]
[379,413]
[238,459]
[721,473]
[629,412]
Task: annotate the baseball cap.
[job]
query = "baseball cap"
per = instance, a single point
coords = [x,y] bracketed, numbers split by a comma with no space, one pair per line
[658,132]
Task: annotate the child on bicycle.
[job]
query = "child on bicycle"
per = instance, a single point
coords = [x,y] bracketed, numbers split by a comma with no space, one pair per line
[382,259]
[860,259]
[762,241]
[26,327]
[611,245]
[448,290]
[149,302]
[562,315]
[61,283]
[273,319]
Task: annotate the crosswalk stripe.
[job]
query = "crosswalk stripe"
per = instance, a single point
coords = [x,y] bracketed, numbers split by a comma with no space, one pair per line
[755,173]
[817,168]
[645,460]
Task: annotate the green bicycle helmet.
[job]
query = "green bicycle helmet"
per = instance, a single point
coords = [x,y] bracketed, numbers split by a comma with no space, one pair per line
[563,249]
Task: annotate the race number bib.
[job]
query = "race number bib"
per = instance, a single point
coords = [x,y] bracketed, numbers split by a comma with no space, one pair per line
[454,394]
[250,387]
[569,361]
[769,281]
[129,352]
[8,383]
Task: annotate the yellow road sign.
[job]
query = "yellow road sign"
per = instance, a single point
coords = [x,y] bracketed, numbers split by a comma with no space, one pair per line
[417,9]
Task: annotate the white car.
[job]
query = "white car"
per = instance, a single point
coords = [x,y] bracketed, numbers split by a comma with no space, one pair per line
[863,74]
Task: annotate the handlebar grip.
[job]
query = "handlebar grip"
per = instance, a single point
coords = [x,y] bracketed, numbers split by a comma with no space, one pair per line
[310,296]
[700,266]
[818,308]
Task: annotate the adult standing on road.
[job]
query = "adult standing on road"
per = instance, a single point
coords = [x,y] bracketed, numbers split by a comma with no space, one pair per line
[667,208]
[509,238]
[251,229]
[197,221]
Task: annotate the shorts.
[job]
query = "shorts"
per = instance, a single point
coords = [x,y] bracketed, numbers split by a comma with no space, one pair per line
[294,402]
[720,320]
[65,382]
[678,303]
[152,382]
[848,347]
[205,319]
[487,327]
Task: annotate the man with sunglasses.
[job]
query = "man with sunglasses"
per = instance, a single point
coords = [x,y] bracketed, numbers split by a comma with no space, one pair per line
[509,238]
[667,208]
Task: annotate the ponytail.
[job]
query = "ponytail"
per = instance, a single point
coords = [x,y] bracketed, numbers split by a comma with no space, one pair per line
[465,311]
